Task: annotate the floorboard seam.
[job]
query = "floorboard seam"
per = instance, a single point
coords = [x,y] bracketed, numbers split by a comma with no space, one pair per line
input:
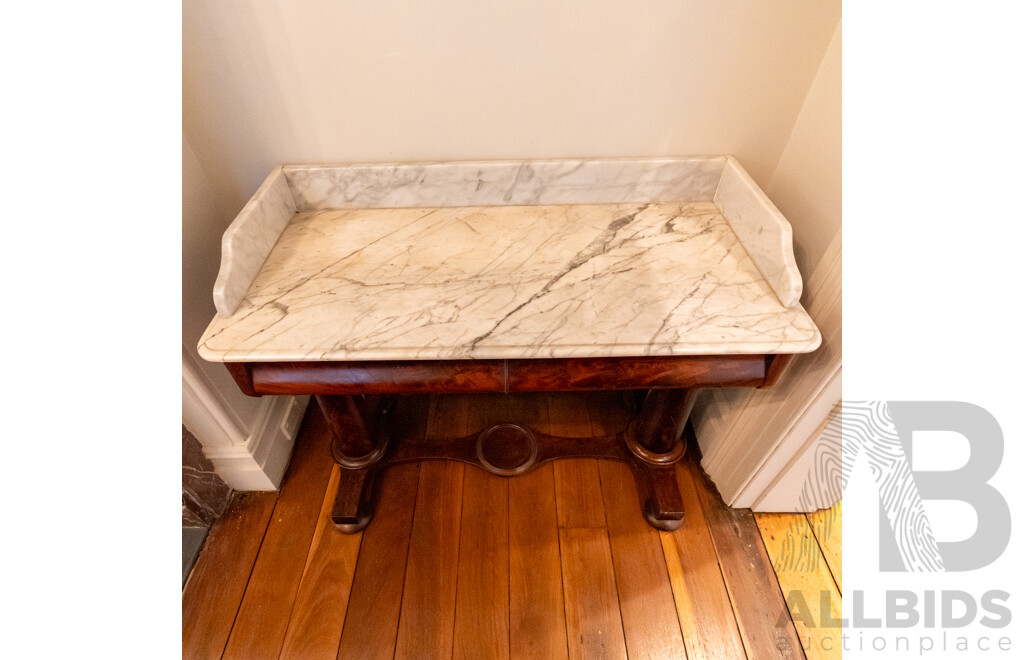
[458,555]
[821,551]
[313,546]
[718,560]
[558,536]
[775,574]
[263,538]
[405,573]
[668,581]
[611,555]
[508,562]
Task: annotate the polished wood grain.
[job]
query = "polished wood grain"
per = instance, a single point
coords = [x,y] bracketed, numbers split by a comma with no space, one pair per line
[353,505]
[482,594]
[549,448]
[827,525]
[263,615]
[365,446]
[242,373]
[646,603]
[577,480]
[591,602]
[215,588]
[649,444]
[659,425]
[352,421]
[426,625]
[649,618]
[536,605]
[702,601]
[482,602]
[627,373]
[761,613]
[318,615]
[586,592]
[379,377]
[371,621]
[360,440]
[812,596]
[776,367]
[481,376]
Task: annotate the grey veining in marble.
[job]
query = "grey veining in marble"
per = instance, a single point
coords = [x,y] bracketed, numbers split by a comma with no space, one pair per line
[249,239]
[505,183]
[580,280]
[765,233]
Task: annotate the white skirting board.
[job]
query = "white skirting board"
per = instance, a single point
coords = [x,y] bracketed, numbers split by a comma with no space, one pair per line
[810,479]
[757,444]
[253,459]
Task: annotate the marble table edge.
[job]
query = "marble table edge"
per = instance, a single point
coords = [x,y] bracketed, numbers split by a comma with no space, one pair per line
[515,352]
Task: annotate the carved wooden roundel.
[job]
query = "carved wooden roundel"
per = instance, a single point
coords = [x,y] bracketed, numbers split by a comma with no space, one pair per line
[507,449]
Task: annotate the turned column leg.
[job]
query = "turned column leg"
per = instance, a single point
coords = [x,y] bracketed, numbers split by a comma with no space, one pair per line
[359,442]
[654,440]
[657,429]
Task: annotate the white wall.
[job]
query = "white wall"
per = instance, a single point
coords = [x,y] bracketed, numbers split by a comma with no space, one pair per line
[248,439]
[296,81]
[751,437]
[807,185]
[202,224]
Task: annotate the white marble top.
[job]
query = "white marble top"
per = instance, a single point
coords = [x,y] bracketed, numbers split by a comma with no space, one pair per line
[557,280]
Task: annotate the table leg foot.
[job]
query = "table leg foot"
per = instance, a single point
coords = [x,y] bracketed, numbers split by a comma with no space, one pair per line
[653,439]
[353,505]
[660,500]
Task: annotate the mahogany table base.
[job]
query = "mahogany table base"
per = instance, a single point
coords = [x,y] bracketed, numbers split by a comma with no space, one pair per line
[365,443]
[356,399]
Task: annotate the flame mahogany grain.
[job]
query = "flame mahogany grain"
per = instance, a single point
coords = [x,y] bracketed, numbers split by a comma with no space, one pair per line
[478,376]
[366,441]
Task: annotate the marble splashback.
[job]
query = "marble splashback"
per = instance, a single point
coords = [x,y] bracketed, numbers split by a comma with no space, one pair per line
[249,240]
[591,280]
[761,229]
[765,233]
[504,183]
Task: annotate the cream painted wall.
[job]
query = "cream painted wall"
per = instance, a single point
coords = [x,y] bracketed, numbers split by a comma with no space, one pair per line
[749,437]
[202,224]
[273,82]
[807,184]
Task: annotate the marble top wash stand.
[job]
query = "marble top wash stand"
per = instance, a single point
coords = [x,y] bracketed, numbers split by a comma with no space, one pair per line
[357,283]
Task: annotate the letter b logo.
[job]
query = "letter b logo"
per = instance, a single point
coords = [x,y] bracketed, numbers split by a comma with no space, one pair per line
[967,484]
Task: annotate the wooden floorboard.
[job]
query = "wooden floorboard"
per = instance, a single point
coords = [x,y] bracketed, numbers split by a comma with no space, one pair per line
[701,598]
[814,601]
[482,598]
[536,605]
[577,490]
[645,594]
[646,604]
[460,563]
[215,588]
[426,625]
[593,622]
[371,621]
[318,615]
[761,613]
[263,616]
[827,525]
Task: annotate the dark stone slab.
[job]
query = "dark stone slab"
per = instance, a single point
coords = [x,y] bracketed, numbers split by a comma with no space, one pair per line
[204,495]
